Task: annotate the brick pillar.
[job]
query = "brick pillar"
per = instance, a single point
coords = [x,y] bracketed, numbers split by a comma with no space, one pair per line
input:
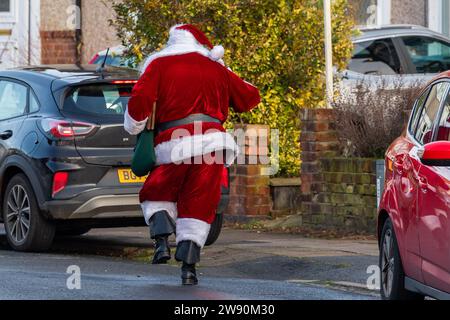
[58,47]
[318,140]
[249,189]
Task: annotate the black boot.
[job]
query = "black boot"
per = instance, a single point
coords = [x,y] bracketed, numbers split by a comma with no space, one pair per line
[188,275]
[161,227]
[189,253]
[162,250]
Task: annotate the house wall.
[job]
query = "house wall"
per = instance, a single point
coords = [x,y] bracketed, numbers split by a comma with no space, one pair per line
[58,35]
[409,12]
[59,25]
[19,34]
[97,33]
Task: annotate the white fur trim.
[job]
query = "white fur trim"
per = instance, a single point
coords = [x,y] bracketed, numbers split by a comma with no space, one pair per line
[184,148]
[149,208]
[180,42]
[193,230]
[217,53]
[132,126]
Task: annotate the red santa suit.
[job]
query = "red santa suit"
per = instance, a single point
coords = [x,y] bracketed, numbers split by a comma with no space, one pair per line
[187,77]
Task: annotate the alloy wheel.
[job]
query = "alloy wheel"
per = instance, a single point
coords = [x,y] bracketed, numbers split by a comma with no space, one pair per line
[387,263]
[18,214]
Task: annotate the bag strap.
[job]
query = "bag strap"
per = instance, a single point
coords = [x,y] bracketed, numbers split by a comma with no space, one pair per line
[151,120]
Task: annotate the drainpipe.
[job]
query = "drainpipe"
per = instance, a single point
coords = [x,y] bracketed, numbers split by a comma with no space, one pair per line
[78,33]
[29,33]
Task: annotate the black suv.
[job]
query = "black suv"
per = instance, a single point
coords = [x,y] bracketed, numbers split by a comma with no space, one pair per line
[65,156]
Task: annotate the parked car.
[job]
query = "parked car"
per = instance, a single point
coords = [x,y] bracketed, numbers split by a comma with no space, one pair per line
[395,56]
[65,156]
[414,215]
[115,57]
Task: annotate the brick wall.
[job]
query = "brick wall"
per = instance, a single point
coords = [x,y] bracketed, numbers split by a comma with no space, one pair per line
[58,47]
[318,140]
[337,193]
[249,189]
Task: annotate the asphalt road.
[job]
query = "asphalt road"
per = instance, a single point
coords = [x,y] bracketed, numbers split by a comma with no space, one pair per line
[224,272]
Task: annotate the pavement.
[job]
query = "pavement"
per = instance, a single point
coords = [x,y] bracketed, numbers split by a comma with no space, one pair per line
[243,264]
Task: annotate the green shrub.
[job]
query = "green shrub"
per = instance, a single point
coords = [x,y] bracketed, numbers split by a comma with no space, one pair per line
[276,45]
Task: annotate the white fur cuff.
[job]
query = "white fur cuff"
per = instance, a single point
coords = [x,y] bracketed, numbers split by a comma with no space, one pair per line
[132,126]
[192,230]
[149,208]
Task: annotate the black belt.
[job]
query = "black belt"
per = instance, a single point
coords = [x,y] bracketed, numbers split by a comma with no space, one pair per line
[198,117]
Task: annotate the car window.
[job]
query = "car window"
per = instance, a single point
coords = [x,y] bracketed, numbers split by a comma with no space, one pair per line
[34,105]
[428,114]
[443,131]
[13,99]
[112,60]
[417,110]
[427,54]
[375,57]
[98,99]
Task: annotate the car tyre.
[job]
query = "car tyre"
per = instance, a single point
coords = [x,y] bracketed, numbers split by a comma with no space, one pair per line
[216,228]
[392,275]
[26,229]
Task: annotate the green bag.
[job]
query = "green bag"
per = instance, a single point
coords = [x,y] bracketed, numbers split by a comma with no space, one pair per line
[144,158]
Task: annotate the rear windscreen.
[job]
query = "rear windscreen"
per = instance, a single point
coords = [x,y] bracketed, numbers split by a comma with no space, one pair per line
[98,99]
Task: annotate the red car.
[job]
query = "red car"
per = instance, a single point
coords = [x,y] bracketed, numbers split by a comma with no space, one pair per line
[414,215]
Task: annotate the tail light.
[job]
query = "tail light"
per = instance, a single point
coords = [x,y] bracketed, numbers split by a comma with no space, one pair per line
[59,182]
[225,178]
[124,82]
[62,129]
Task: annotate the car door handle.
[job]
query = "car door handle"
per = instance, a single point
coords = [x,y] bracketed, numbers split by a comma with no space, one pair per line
[5,135]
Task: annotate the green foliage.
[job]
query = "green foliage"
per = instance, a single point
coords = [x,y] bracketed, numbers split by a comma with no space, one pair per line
[276,45]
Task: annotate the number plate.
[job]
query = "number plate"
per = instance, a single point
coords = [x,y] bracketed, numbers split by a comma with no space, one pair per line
[127,176]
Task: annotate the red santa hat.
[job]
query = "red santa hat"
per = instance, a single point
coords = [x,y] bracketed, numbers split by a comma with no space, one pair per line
[186,38]
[215,52]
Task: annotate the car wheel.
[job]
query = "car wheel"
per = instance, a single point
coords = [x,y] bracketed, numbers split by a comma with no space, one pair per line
[26,229]
[71,232]
[216,228]
[392,274]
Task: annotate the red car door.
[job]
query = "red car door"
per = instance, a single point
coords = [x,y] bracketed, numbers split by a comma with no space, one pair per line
[406,165]
[434,214]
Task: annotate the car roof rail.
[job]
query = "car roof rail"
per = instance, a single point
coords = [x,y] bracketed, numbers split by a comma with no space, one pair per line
[389,27]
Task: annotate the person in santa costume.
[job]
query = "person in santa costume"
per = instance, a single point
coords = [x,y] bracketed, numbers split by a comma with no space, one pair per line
[193,91]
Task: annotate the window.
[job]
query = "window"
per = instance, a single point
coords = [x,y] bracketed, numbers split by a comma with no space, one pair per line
[443,132]
[365,12]
[371,12]
[428,114]
[376,57]
[5,6]
[98,99]
[34,104]
[13,99]
[427,54]
[417,110]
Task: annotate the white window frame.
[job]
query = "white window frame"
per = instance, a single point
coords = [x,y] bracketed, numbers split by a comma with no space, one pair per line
[11,16]
[435,15]
[383,12]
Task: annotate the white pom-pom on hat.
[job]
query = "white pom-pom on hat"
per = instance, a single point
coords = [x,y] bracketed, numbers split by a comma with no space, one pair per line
[217,53]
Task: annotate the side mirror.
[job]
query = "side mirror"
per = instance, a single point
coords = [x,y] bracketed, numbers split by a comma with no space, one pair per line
[436,154]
